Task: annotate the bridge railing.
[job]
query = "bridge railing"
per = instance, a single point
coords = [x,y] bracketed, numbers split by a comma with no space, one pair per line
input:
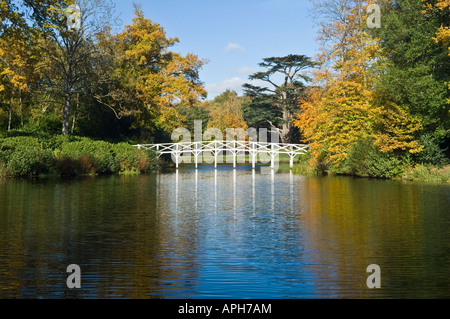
[232,148]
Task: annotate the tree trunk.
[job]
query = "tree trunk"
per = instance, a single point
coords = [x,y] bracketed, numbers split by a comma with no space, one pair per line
[66,115]
[287,128]
[21,108]
[75,114]
[10,113]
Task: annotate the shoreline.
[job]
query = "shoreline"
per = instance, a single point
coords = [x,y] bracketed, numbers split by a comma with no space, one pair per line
[429,175]
[71,156]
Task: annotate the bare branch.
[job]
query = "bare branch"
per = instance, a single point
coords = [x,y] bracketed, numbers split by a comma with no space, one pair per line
[98,99]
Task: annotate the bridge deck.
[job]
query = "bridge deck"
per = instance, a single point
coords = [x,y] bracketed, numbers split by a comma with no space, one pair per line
[232,148]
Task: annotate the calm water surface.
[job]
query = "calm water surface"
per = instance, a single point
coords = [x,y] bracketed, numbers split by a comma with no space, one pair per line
[223,234]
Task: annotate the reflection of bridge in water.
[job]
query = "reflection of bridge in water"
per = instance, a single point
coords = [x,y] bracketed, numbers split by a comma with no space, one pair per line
[183,152]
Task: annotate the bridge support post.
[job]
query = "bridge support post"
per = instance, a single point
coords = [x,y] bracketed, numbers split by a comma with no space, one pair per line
[196,154]
[234,152]
[272,155]
[177,155]
[253,153]
[291,160]
[215,154]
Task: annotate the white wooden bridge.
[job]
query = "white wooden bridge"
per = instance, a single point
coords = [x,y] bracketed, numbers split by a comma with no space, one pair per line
[183,152]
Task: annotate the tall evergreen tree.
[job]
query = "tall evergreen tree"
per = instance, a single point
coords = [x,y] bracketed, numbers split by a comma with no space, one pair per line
[283,97]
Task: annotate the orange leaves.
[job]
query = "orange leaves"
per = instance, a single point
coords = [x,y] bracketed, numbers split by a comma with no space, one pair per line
[344,106]
[161,80]
[226,111]
[443,37]
[334,119]
[169,118]
[13,64]
[443,33]
[443,4]
[395,129]
[181,80]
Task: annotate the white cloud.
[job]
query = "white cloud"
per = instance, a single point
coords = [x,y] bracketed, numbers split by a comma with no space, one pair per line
[233,84]
[231,47]
[246,70]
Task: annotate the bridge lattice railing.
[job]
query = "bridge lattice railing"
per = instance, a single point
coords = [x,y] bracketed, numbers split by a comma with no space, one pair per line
[230,147]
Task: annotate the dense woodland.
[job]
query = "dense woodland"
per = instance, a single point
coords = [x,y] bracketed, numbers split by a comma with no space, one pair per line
[74,94]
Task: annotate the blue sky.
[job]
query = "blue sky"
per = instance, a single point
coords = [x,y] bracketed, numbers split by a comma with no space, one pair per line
[234,36]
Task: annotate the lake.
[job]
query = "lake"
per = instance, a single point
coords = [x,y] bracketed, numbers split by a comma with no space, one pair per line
[223,234]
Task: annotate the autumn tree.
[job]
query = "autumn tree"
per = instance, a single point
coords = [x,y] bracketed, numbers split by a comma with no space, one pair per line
[15,71]
[283,95]
[147,81]
[226,111]
[443,34]
[344,106]
[10,16]
[17,58]
[415,75]
[68,46]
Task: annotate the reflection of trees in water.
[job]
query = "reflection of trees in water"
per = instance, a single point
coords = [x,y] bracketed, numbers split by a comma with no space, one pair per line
[143,236]
[109,226]
[352,223]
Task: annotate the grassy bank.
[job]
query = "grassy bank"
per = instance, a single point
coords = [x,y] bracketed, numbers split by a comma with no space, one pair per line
[22,156]
[429,174]
[415,173]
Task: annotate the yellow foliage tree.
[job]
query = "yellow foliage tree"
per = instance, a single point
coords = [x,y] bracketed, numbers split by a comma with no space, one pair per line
[343,106]
[161,80]
[14,71]
[226,112]
[443,33]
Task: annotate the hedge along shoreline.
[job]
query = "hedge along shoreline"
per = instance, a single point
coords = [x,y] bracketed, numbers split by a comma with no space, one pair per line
[24,156]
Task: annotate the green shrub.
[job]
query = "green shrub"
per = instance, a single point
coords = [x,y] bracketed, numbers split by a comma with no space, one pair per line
[425,173]
[20,141]
[26,160]
[366,160]
[303,166]
[9,145]
[3,169]
[129,158]
[50,124]
[153,163]
[29,155]
[99,152]
[56,141]
[432,153]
